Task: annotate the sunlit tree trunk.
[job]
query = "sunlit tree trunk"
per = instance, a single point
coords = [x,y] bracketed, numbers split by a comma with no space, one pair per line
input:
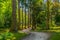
[14,20]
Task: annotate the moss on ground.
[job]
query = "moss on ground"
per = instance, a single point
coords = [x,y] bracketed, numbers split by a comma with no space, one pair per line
[55,36]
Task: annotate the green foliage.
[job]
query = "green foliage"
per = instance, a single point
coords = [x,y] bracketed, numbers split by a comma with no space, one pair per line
[39,11]
[5,36]
[55,36]
[5,13]
[41,20]
[57,19]
[19,36]
[11,36]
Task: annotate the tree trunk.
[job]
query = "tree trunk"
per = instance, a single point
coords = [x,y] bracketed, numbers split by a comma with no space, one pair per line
[14,20]
[33,20]
[18,14]
[48,14]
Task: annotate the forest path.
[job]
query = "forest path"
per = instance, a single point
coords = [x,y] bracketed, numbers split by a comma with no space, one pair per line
[37,36]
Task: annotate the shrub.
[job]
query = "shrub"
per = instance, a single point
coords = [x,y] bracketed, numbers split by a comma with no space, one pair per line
[6,36]
[57,20]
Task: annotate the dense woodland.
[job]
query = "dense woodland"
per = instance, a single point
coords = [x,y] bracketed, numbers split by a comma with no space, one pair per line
[16,15]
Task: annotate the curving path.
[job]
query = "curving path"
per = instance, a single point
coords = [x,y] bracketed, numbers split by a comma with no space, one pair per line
[37,36]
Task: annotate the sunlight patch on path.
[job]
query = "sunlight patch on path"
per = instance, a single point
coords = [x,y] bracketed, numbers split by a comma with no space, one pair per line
[27,31]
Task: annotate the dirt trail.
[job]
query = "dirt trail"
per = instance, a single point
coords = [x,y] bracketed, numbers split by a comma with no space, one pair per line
[37,36]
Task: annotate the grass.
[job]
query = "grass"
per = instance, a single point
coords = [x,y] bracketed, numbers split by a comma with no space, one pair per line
[55,32]
[55,36]
[11,36]
[19,36]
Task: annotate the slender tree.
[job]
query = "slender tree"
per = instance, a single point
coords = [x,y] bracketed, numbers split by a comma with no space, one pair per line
[14,20]
[48,14]
[18,14]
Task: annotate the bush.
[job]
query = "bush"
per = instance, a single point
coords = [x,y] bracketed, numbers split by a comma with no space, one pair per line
[55,36]
[5,13]
[11,36]
[57,20]
[5,36]
[41,20]
[7,18]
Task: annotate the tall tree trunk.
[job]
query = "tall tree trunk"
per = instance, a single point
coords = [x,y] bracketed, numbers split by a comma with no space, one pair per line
[14,20]
[48,14]
[33,20]
[18,14]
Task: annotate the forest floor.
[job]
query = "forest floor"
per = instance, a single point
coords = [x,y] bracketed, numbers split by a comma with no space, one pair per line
[52,34]
[36,35]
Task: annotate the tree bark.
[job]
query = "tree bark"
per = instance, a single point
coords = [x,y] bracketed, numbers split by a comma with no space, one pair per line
[14,20]
[48,14]
[18,14]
